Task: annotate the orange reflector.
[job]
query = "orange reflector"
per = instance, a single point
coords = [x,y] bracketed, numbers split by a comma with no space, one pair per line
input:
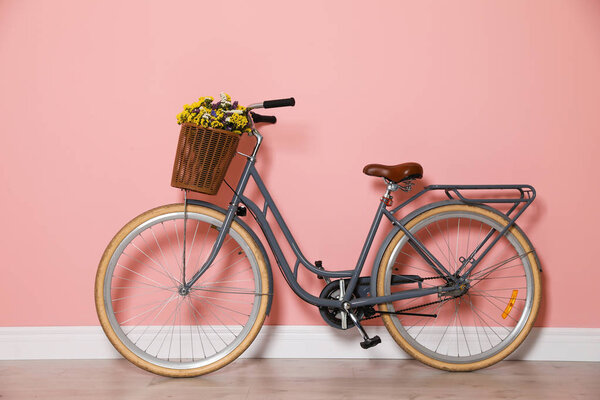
[511,303]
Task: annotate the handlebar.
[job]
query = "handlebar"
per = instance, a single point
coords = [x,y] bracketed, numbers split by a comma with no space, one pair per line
[279,103]
[270,119]
[273,103]
[290,102]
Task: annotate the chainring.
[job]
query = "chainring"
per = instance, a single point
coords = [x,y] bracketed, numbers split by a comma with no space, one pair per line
[333,316]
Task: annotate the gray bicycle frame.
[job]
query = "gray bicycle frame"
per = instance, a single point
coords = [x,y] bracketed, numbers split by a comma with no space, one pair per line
[527,195]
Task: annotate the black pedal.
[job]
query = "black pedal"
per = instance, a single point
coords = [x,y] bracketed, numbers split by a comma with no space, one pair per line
[241,211]
[370,342]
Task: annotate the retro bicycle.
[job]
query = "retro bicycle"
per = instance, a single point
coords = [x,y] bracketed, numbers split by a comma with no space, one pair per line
[183,289]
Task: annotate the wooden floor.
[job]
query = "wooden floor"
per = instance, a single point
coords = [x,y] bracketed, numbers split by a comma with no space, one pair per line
[300,379]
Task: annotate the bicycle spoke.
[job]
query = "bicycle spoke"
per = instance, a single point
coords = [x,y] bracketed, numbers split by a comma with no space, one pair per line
[173,329]
[491,319]
[200,326]
[149,266]
[220,299]
[163,255]
[140,314]
[159,331]
[475,322]
[137,273]
[499,268]
[164,305]
[136,281]
[464,334]
[211,327]
[166,271]
[457,241]
[172,248]
[438,246]
[219,306]
[483,322]
[217,316]
[135,295]
[198,330]
[469,236]
[499,264]
[498,297]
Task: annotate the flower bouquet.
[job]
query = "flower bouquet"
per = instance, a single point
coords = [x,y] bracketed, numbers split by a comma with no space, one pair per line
[210,133]
[223,114]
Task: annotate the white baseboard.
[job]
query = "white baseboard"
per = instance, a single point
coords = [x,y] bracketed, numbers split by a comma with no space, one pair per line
[89,342]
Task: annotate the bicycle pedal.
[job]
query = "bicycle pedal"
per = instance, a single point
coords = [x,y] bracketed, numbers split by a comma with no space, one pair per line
[370,342]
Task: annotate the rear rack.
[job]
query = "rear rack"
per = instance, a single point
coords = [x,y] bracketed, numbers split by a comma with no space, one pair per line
[524,195]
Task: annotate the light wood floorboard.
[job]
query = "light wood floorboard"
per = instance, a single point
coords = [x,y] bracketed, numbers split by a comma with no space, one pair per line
[300,379]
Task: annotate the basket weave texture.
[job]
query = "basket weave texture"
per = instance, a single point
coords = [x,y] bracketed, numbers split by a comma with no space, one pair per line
[203,156]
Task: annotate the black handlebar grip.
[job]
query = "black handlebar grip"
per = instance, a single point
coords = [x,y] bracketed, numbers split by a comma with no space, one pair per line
[279,103]
[263,118]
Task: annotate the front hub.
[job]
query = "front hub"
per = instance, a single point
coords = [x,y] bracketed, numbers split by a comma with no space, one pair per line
[183,290]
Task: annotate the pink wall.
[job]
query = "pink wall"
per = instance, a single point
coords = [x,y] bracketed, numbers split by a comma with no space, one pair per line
[89,92]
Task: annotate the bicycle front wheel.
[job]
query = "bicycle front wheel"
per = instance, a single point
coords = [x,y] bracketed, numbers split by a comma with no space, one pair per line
[166,330]
[475,327]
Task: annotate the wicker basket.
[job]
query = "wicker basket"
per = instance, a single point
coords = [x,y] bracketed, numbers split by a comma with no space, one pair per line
[203,156]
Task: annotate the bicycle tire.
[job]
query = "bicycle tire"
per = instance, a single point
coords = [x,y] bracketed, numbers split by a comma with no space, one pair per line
[220,317]
[493,319]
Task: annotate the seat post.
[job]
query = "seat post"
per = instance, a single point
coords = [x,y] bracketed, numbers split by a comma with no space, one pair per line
[406,186]
[387,198]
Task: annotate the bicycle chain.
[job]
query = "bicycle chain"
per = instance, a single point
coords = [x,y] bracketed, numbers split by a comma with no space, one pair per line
[414,307]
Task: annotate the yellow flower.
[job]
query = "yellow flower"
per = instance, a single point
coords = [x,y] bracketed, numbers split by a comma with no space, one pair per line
[215,124]
[238,121]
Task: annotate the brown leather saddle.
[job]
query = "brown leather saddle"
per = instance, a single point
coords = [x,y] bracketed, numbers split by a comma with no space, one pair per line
[395,173]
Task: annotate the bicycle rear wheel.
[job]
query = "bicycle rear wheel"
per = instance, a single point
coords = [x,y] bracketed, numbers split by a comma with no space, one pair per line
[159,327]
[470,329]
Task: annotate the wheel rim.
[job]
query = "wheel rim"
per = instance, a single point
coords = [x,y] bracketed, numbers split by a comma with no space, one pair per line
[469,328]
[163,326]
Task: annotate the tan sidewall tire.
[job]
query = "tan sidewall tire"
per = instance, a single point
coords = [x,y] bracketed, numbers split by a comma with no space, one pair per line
[112,336]
[387,320]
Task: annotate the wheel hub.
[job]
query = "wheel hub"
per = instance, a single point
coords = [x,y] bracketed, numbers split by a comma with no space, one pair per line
[183,290]
[462,289]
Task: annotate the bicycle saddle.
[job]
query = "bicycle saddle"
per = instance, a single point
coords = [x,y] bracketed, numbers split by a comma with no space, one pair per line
[395,173]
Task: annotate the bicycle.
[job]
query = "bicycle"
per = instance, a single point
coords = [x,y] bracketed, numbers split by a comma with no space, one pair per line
[456,282]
